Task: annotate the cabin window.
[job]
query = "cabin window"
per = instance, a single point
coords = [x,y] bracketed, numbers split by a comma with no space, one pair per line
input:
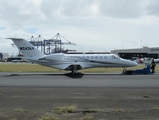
[92,57]
[100,57]
[87,57]
[96,57]
[105,57]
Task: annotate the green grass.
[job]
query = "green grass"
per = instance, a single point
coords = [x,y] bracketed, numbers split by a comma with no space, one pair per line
[146,96]
[87,118]
[25,68]
[65,109]
[118,110]
[19,110]
[18,67]
[48,117]
[155,108]
[92,110]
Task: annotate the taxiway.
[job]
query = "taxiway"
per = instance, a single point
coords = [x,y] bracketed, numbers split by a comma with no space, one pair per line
[79,80]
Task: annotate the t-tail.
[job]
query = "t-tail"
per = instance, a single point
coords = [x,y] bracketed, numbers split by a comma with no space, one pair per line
[26,48]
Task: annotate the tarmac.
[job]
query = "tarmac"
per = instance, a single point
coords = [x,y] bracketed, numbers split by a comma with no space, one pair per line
[94,96]
[79,80]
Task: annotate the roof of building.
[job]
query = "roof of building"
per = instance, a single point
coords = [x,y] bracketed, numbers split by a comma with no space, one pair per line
[137,50]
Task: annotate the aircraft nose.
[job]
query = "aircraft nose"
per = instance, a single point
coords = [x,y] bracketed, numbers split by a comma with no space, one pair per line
[133,63]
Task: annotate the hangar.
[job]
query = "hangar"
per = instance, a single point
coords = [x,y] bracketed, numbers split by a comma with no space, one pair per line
[138,52]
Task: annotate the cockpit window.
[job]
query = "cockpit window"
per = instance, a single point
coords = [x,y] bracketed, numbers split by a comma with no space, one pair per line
[115,57]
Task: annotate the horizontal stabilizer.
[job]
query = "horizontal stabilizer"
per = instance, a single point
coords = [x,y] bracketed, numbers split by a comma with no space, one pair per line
[15,38]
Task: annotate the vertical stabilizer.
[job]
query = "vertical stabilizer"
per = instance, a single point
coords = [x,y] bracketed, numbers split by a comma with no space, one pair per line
[26,48]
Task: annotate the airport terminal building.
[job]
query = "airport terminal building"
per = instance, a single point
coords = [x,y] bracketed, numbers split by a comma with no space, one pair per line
[138,52]
[4,56]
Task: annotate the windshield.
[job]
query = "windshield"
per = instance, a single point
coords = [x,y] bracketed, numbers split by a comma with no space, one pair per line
[115,57]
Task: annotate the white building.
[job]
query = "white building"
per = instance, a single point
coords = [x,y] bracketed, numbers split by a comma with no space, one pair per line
[5,56]
[138,52]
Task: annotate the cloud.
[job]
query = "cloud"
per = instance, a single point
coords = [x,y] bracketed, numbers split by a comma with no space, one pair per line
[153,8]
[48,13]
[19,14]
[94,24]
[122,8]
[68,8]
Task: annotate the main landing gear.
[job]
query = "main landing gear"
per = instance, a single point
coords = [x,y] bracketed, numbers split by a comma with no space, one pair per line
[124,70]
[74,69]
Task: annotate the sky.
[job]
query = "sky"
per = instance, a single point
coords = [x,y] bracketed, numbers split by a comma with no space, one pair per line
[96,25]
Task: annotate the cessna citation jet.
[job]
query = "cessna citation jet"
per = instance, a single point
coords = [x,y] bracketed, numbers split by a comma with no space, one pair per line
[72,62]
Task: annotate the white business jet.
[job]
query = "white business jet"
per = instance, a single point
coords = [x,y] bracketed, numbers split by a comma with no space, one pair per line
[72,62]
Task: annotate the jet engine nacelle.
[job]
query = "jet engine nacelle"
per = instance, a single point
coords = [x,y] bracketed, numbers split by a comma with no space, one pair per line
[58,57]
